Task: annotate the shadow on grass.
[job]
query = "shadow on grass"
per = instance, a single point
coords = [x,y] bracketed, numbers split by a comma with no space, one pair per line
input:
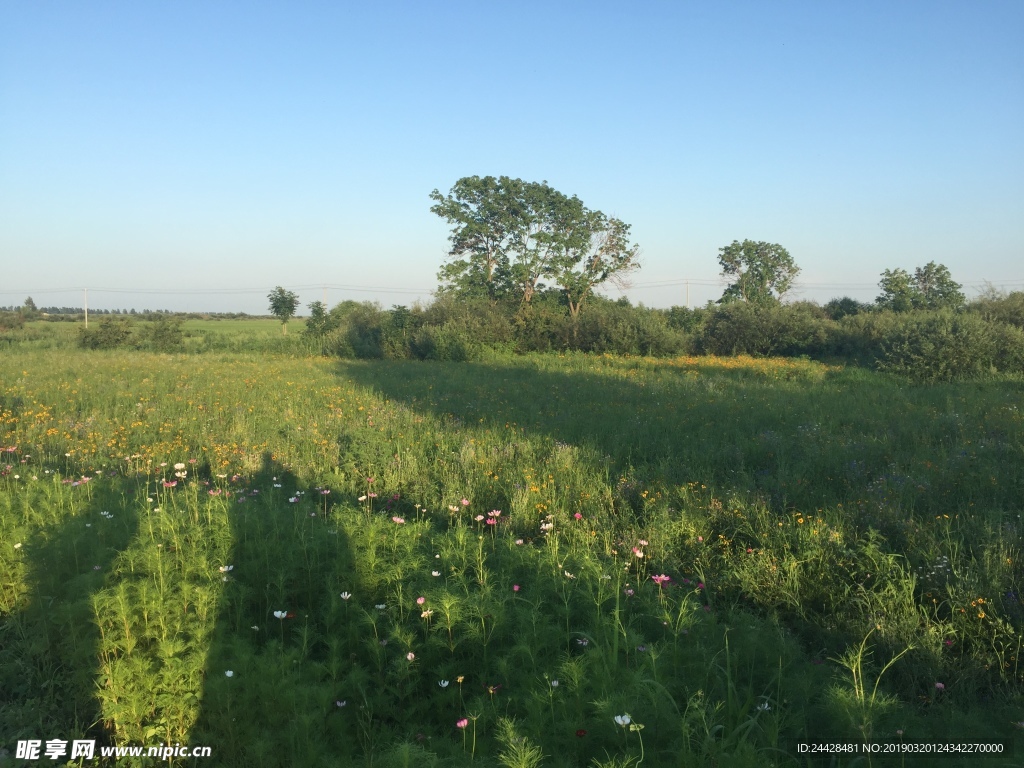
[800,443]
[277,665]
[50,642]
[140,595]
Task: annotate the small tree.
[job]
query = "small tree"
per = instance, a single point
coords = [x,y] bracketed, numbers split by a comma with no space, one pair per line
[282,306]
[763,272]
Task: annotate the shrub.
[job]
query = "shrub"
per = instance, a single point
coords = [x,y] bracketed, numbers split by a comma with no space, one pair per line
[112,332]
[11,321]
[999,308]
[940,346]
[744,328]
[165,334]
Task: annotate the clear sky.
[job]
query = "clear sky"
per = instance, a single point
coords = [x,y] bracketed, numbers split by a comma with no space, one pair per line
[194,155]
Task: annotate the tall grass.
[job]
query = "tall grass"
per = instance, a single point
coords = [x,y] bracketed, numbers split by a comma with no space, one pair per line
[413,564]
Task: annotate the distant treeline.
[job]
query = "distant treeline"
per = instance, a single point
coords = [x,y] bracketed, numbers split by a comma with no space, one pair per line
[976,339]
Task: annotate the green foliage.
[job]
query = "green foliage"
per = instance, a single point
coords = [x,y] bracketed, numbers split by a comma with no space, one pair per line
[837,309]
[930,287]
[11,321]
[940,346]
[110,333]
[165,334]
[509,235]
[762,273]
[1000,308]
[283,305]
[749,328]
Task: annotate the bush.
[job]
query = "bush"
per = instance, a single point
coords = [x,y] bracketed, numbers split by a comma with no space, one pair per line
[1003,309]
[11,321]
[112,332]
[940,346]
[165,334]
[743,328]
[1009,343]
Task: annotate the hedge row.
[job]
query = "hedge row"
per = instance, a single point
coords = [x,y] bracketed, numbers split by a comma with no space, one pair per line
[924,345]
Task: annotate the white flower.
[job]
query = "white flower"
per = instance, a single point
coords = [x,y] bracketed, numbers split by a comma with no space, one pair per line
[179,465]
[255,627]
[554,683]
[435,573]
[410,656]
[764,706]
[381,606]
[226,568]
[18,545]
[346,595]
[443,683]
[280,614]
[229,673]
[622,720]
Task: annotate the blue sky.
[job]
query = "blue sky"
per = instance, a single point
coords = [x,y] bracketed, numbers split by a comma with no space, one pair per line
[171,151]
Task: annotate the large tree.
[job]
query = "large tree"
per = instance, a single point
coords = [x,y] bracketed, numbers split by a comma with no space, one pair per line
[486,221]
[762,273]
[509,235]
[282,306]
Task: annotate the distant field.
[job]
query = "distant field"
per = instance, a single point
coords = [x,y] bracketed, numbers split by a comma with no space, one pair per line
[306,561]
[261,325]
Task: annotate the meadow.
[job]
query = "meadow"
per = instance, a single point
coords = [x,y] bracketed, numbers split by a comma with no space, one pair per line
[550,560]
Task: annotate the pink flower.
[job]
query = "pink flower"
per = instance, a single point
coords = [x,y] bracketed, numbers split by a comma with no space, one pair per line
[578,516]
[940,687]
[399,520]
[464,502]
[638,552]
[478,518]
[515,587]
[420,600]
[462,723]
[410,656]
[659,580]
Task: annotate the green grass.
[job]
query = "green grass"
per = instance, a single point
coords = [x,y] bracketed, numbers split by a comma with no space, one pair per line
[836,543]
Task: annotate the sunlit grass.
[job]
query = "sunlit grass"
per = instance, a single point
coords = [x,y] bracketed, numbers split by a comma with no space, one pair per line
[515,520]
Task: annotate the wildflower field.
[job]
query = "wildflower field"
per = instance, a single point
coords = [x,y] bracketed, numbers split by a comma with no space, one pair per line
[541,561]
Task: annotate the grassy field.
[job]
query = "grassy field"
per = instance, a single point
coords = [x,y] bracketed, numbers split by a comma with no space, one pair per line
[303,561]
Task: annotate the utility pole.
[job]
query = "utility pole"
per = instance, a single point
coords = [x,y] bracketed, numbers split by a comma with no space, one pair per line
[687,294]
[86,307]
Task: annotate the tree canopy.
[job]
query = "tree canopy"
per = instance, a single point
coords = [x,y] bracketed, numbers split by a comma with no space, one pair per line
[762,272]
[930,287]
[509,236]
[282,306]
